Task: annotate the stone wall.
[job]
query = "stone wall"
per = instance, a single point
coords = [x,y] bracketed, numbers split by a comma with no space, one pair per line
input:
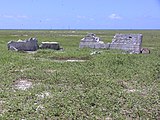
[129,42]
[91,41]
[30,44]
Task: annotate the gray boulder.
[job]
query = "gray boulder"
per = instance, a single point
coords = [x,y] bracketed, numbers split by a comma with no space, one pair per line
[145,51]
[23,45]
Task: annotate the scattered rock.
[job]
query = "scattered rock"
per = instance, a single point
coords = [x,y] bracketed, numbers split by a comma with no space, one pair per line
[95,52]
[40,108]
[145,51]
[43,95]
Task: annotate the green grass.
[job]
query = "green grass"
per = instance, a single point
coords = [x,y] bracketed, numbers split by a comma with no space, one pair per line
[107,85]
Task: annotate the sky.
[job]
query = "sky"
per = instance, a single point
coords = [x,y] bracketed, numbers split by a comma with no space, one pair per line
[80,14]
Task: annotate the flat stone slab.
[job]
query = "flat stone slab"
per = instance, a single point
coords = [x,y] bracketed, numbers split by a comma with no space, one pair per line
[50,45]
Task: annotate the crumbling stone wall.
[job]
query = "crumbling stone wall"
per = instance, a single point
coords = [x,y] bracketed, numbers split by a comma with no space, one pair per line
[129,42]
[30,44]
[91,41]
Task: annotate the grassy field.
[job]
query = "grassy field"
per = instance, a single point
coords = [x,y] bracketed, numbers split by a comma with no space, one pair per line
[106,86]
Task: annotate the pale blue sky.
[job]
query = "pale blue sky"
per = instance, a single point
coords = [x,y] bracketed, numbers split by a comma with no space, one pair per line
[82,14]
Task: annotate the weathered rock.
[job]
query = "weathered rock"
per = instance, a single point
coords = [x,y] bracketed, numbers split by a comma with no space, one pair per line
[145,51]
[50,45]
[91,41]
[23,45]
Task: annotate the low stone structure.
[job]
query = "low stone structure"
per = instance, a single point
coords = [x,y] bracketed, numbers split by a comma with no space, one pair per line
[31,44]
[128,42]
[91,41]
[50,45]
[23,45]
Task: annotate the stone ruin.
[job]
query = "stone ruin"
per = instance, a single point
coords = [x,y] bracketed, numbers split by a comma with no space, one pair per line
[91,41]
[50,45]
[131,43]
[128,42]
[23,45]
[31,44]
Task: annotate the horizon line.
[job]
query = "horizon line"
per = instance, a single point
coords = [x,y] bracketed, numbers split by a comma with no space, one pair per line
[80,29]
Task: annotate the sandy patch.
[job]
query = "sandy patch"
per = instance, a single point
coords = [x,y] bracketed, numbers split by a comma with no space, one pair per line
[22,84]
[69,60]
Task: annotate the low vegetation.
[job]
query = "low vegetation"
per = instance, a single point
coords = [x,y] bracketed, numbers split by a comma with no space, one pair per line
[109,85]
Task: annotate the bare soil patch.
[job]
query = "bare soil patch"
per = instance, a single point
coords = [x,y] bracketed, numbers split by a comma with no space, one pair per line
[22,84]
[70,59]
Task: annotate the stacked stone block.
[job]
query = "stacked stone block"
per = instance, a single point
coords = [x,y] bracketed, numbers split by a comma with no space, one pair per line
[128,42]
[91,41]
